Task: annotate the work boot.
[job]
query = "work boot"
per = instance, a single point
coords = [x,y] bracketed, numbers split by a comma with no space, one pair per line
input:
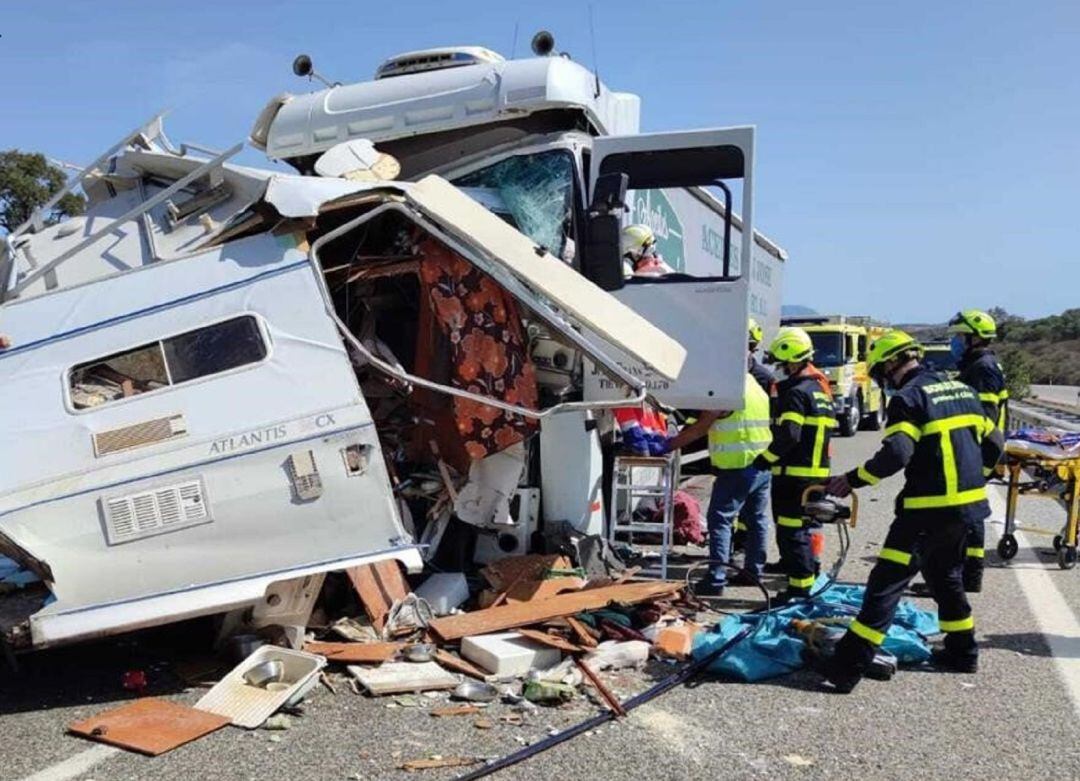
[973,575]
[707,587]
[773,568]
[789,595]
[840,676]
[951,661]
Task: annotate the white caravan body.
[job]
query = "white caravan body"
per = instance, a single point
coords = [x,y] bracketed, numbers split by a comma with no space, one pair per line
[235,449]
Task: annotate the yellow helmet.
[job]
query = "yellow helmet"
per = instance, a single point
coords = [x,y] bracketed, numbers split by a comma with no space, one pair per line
[791,345]
[973,321]
[636,240]
[756,334]
[888,346]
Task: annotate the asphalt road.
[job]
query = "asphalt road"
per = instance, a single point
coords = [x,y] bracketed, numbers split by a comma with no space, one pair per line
[1017,717]
[1064,394]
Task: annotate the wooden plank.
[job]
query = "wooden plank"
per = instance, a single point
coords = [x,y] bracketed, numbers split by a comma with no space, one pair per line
[529,590]
[502,574]
[497,619]
[550,640]
[459,665]
[355,653]
[378,585]
[149,726]
[605,692]
[455,710]
[584,636]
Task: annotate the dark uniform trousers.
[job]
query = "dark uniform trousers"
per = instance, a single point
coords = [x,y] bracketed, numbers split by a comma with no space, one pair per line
[793,532]
[939,540]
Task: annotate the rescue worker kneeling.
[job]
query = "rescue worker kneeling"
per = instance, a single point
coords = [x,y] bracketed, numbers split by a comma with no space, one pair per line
[799,454]
[939,435]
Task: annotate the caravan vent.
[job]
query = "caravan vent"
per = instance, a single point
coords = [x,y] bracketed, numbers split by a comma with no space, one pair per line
[148,432]
[157,511]
[436,60]
[304,475]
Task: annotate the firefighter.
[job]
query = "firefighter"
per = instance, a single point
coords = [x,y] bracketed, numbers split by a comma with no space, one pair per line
[739,490]
[640,258]
[939,435]
[973,331]
[799,454]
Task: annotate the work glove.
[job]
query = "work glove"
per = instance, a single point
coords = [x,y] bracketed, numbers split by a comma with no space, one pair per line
[838,485]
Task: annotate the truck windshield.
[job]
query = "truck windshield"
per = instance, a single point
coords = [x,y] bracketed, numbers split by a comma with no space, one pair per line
[828,348]
[537,190]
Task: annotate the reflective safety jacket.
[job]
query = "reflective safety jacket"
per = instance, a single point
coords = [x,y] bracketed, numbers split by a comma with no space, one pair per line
[980,369]
[736,440]
[802,431]
[940,436]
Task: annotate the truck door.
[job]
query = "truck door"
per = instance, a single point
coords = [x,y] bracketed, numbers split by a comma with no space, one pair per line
[706,314]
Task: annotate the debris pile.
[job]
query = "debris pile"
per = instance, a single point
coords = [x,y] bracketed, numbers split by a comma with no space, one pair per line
[486,649]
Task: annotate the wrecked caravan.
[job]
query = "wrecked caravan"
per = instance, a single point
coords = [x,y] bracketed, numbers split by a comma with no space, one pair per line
[224,382]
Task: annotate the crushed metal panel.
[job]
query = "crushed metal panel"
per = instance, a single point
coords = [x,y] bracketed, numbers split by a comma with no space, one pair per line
[560,284]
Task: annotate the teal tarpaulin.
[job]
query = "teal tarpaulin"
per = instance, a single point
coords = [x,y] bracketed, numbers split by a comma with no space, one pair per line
[773,650]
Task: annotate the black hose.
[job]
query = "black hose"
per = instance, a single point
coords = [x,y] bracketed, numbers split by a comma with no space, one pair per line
[667,684]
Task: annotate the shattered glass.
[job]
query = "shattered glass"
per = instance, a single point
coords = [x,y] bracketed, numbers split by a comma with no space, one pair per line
[537,192]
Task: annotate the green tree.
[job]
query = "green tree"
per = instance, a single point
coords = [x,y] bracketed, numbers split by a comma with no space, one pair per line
[27,181]
[1017,368]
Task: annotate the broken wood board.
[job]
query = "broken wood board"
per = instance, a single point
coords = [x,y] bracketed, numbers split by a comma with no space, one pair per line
[149,726]
[497,619]
[529,590]
[355,653]
[459,665]
[554,641]
[379,586]
[502,574]
[438,762]
[401,677]
[455,710]
[584,636]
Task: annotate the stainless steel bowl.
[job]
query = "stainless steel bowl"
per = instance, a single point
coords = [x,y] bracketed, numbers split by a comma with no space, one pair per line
[476,691]
[420,652]
[265,673]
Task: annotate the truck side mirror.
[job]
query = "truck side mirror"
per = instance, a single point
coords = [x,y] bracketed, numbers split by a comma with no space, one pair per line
[601,262]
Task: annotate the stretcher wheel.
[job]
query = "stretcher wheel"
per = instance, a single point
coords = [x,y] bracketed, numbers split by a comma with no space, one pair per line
[1067,557]
[1059,540]
[1007,546]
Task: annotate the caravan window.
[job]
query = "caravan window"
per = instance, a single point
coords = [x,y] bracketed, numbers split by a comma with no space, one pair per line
[188,356]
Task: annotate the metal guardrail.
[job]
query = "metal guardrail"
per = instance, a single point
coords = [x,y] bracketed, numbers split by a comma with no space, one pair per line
[1034,413]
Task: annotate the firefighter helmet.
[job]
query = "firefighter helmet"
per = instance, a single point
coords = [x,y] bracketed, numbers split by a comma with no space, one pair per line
[791,345]
[973,321]
[756,333]
[636,241]
[888,346]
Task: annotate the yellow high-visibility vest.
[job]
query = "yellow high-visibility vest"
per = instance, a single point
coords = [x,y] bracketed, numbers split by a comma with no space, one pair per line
[735,441]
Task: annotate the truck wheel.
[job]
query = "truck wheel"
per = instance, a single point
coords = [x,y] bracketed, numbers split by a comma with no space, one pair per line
[849,424]
[875,421]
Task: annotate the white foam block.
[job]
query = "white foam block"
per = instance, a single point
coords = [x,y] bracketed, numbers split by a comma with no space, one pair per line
[508,653]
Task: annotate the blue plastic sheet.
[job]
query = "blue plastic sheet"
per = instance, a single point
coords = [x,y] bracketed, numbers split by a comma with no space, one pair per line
[773,650]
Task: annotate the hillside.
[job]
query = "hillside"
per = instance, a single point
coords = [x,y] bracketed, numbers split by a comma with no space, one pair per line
[1044,351]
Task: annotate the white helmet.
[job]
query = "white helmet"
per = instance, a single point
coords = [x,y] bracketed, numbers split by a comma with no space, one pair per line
[637,241]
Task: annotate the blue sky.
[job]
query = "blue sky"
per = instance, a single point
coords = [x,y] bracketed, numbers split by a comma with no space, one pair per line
[912,158]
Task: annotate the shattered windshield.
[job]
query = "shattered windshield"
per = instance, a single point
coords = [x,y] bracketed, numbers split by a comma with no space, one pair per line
[538,190]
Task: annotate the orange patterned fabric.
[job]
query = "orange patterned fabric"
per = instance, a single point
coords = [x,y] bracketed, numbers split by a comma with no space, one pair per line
[487,345]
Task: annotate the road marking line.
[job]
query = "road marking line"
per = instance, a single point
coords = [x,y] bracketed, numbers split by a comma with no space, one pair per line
[1056,621]
[74,766]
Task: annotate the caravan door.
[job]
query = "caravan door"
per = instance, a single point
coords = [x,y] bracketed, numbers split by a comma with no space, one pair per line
[706,314]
